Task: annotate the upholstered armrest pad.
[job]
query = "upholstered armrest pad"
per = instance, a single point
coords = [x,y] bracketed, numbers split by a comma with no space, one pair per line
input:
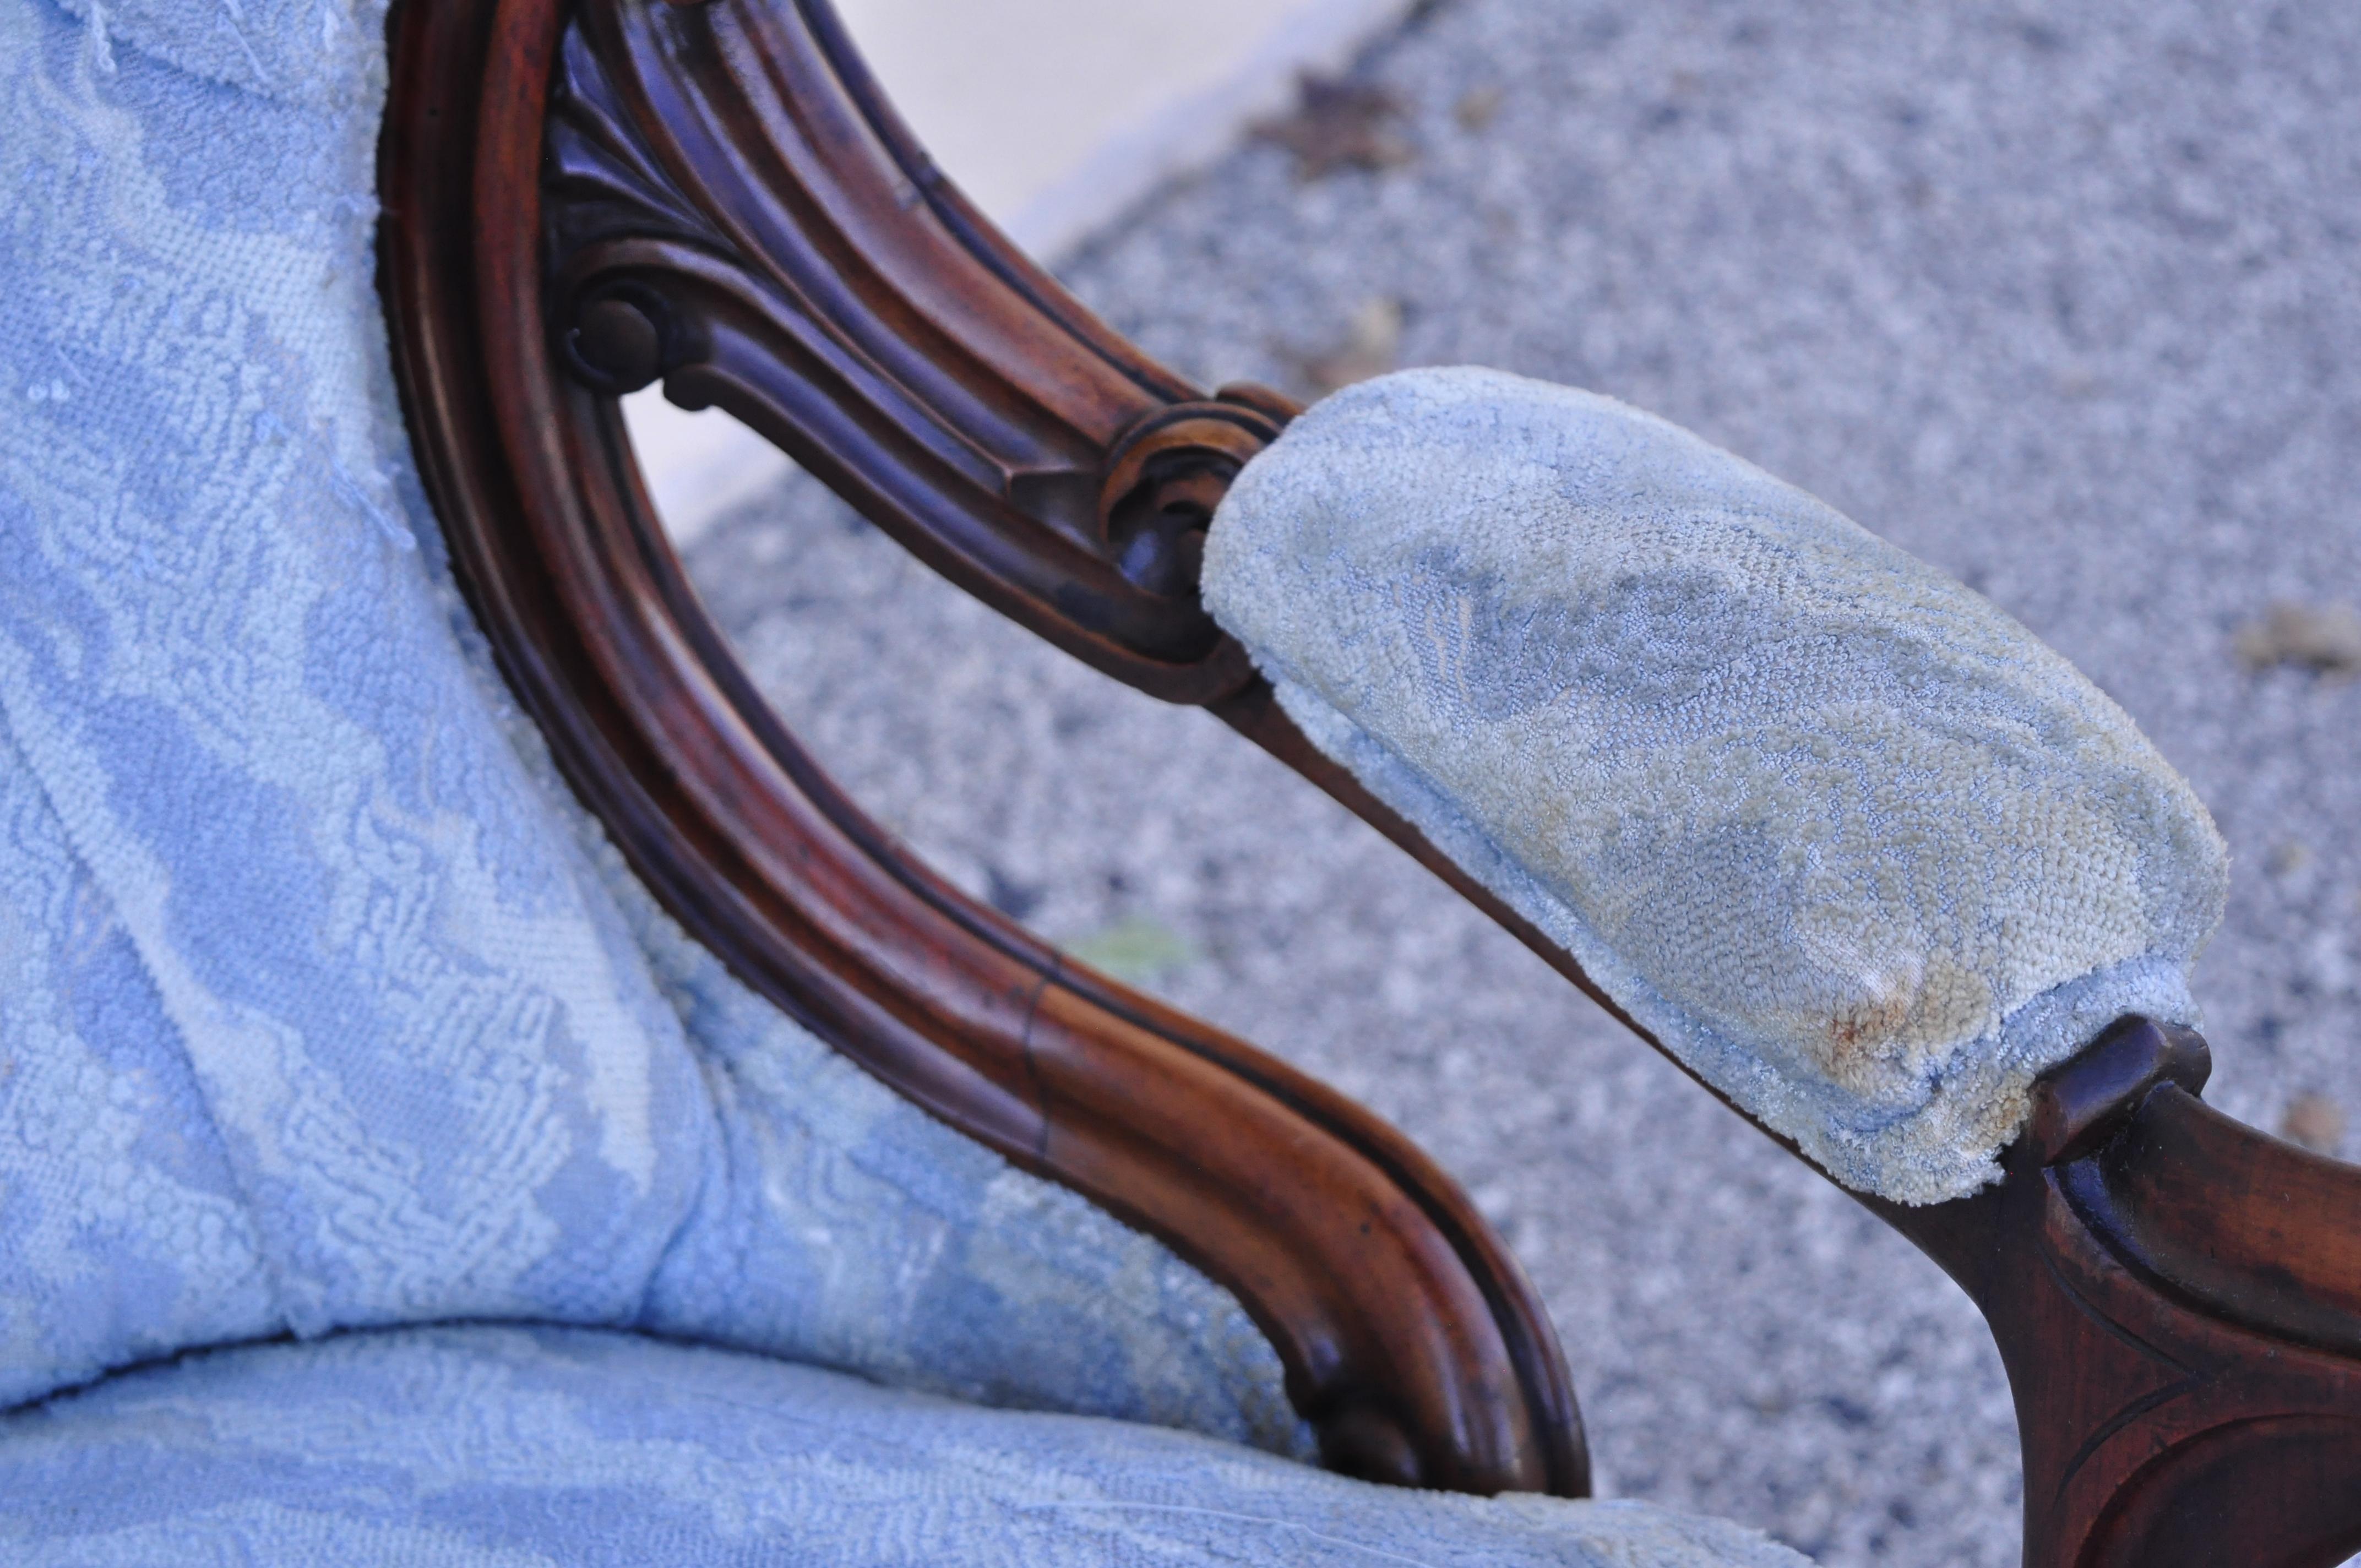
[1850,843]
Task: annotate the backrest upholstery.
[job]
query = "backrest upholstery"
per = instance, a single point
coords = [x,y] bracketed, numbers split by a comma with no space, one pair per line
[321,1003]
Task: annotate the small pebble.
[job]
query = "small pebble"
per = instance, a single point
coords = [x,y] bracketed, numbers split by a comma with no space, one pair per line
[1372,346]
[1476,107]
[2315,1121]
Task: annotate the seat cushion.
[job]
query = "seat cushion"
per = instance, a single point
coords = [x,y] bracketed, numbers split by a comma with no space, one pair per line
[1850,843]
[501,1446]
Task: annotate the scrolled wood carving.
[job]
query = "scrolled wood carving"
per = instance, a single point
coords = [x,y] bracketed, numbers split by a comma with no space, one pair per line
[730,207]
[579,199]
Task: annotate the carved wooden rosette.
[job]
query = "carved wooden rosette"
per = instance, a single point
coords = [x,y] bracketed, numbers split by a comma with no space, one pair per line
[578,201]
[581,201]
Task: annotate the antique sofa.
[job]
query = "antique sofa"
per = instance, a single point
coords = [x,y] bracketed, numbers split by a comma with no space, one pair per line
[473,1092]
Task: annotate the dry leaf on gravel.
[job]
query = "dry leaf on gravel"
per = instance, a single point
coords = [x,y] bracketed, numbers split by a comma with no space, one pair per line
[1338,125]
[1372,346]
[1136,949]
[2325,637]
[2289,858]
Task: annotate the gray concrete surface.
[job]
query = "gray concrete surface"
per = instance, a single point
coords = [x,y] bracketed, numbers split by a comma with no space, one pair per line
[2062,298]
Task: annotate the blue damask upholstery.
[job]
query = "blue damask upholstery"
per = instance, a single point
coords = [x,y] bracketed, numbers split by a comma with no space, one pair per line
[323,1010]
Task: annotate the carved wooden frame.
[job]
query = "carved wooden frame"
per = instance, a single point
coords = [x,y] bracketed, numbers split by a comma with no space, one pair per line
[582,198]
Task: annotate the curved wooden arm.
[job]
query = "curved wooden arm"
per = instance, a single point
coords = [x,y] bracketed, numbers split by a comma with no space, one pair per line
[578,200]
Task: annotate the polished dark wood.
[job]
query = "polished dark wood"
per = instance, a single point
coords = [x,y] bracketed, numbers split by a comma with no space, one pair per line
[584,200]
[731,204]
[577,197]
[2172,1294]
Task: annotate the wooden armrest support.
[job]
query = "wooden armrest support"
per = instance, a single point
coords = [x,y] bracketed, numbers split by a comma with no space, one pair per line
[2239,1224]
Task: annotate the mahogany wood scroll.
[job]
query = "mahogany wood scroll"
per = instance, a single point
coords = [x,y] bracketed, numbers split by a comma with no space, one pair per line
[582,201]
[578,199]
[731,206]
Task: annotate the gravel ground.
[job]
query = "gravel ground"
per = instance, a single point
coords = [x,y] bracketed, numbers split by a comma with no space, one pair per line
[2063,300]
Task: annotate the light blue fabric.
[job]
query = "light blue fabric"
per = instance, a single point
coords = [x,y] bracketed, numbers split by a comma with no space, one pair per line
[1850,843]
[496,1448]
[321,1003]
